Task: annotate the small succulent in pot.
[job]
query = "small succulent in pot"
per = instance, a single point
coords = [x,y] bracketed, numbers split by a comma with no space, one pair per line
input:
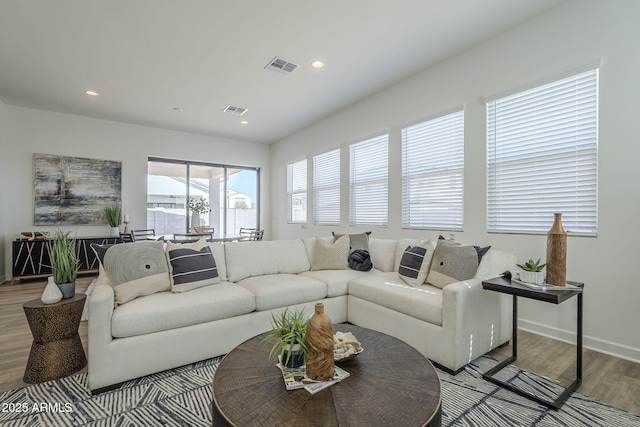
[290,329]
[532,272]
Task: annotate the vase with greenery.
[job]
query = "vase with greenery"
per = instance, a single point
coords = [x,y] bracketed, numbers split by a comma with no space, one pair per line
[64,262]
[290,331]
[197,206]
[113,213]
[532,272]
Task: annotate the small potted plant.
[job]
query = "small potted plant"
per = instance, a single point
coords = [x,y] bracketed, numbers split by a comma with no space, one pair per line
[532,272]
[290,330]
[113,213]
[64,262]
[197,206]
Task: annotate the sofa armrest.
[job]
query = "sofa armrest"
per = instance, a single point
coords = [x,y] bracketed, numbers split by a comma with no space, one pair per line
[101,305]
[474,319]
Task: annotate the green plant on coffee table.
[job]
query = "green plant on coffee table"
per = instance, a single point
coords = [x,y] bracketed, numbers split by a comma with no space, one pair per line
[532,265]
[290,329]
[113,212]
[64,260]
[197,204]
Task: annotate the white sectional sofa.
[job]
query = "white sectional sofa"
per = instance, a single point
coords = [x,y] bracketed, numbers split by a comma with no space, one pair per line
[164,330]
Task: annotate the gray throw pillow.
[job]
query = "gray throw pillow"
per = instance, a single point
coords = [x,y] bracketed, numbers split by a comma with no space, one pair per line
[452,262]
[134,269]
[356,241]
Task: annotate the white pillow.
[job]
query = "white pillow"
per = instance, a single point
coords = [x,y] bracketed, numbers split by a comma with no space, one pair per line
[329,255]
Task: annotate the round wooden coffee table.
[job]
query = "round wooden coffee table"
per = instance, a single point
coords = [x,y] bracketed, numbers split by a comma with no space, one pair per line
[391,384]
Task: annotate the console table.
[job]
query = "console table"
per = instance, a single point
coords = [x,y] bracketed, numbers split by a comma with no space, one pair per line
[31,258]
[506,286]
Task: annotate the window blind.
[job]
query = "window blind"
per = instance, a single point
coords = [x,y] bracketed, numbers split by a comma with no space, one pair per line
[433,173]
[297,192]
[542,157]
[326,188]
[369,195]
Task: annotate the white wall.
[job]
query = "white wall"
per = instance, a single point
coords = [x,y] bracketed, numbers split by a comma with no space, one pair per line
[3,185]
[30,131]
[558,41]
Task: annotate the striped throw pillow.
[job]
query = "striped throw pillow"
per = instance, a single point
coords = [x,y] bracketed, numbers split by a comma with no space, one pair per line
[414,264]
[191,269]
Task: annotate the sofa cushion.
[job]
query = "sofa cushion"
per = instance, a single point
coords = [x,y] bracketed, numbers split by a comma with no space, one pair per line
[282,290]
[191,268]
[389,290]
[415,262]
[331,255]
[134,269]
[256,258]
[452,262]
[337,280]
[166,310]
[382,253]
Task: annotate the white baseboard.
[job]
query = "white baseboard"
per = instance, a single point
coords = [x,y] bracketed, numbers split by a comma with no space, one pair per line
[601,346]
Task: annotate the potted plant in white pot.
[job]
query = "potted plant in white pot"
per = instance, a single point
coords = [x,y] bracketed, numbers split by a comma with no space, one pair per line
[532,272]
[290,330]
[113,213]
[197,206]
[64,262]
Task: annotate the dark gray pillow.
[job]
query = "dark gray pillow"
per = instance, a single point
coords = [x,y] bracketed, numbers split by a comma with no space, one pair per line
[191,269]
[356,241]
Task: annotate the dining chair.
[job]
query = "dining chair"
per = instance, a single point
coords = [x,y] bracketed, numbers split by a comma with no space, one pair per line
[147,234]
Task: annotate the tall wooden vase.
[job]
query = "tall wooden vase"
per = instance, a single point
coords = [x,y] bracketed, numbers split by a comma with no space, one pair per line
[320,363]
[557,253]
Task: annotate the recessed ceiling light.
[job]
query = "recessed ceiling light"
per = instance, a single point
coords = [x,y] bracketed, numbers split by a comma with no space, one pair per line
[91,92]
[244,122]
[317,64]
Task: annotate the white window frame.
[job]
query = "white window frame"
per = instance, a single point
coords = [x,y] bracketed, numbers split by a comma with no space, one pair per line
[433,173]
[326,188]
[542,157]
[297,192]
[369,182]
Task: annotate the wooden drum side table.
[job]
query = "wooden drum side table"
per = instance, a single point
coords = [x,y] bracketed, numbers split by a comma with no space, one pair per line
[57,349]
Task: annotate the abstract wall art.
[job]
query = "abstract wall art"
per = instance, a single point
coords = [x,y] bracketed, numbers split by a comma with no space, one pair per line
[74,190]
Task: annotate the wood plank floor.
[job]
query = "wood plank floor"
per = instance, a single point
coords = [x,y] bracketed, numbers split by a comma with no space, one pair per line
[605,378]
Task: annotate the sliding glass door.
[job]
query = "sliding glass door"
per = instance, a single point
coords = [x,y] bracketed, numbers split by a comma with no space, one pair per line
[231,192]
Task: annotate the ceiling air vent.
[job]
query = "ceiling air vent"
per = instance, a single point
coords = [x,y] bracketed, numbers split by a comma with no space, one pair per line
[238,111]
[281,66]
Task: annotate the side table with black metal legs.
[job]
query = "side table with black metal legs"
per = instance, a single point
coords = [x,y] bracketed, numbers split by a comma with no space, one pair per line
[57,349]
[506,286]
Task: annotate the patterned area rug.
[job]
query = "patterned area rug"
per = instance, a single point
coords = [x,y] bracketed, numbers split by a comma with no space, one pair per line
[182,397]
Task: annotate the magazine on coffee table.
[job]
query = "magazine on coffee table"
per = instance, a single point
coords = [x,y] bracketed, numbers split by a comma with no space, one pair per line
[546,286]
[296,378]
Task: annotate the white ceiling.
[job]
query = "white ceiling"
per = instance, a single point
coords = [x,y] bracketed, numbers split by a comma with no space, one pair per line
[145,57]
